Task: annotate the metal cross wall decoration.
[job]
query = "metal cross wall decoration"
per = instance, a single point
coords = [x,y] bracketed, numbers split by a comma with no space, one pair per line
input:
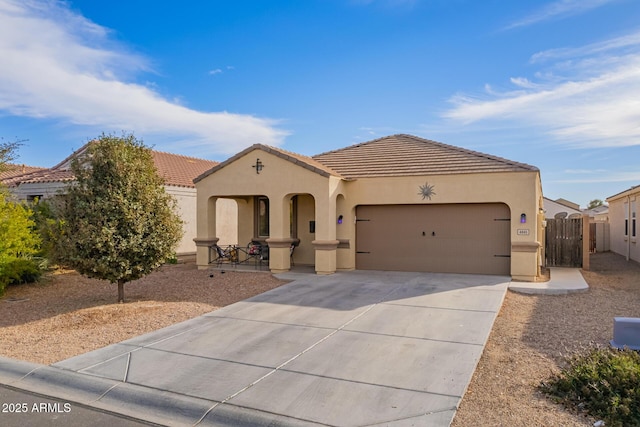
[258,166]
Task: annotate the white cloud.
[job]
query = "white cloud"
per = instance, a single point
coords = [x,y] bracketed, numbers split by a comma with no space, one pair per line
[559,9]
[590,98]
[57,64]
[602,177]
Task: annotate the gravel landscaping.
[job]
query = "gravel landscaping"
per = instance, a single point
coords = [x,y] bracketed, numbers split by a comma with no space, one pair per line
[67,314]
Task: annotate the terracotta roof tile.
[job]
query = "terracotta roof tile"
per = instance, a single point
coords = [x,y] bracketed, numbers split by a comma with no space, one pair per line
[402,155]
[176,169]
[180,170]
[15,173]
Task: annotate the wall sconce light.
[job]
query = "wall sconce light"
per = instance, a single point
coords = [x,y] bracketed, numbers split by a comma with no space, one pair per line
[258,166]
[523,218]
[340,219]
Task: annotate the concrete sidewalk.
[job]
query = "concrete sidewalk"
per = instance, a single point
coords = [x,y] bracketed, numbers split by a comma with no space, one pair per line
[562,281]
[350,349]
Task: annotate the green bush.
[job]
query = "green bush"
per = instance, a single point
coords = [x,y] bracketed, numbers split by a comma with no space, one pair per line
[19,270]
[18,243]
[603,381]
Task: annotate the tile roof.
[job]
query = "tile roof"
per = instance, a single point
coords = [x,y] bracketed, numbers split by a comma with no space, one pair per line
[295,158]
[405,155]
[177,170]
[14,173]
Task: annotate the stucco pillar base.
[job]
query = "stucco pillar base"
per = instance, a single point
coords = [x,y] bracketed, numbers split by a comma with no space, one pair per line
[325,255]
[202,251]
[524,261]
[279,254]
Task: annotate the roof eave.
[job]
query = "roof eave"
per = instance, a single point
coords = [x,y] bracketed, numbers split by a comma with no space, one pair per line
[624,193]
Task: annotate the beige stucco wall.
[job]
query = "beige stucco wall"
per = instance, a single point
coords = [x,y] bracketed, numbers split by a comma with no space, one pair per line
[186,203]
[627,246]
[520,191]
[329,197]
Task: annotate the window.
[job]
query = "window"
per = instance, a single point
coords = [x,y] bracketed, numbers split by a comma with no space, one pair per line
[293,217]
[626,219]
[33,197]
[261,223]
[633,219]
[262,217]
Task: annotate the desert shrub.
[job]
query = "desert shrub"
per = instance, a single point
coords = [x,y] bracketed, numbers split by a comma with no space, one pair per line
[20,270]
[603,381]
[19,242]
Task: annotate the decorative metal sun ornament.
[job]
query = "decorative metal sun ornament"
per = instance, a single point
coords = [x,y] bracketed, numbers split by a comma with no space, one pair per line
[426,191]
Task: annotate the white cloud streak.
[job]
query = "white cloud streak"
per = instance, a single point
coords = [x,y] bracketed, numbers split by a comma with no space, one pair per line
[557,10]
[602,177]
[57,64]
[589,97]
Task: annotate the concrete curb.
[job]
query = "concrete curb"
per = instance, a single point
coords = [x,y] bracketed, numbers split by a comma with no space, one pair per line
[137,402]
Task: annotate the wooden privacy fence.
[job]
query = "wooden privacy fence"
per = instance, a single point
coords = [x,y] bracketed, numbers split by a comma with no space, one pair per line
[563,239]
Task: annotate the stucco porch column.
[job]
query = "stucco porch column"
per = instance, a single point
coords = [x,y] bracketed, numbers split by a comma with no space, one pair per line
[279,241]
[206,229]
[325,255]
[279,254]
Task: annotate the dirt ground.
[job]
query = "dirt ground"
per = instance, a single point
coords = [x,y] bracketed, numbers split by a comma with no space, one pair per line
[67,314]
[530,339]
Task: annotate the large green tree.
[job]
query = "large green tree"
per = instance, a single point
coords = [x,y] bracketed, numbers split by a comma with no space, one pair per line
[119,224]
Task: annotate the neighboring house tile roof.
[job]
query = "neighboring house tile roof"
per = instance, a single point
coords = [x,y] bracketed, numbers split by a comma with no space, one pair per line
[177,170]
[14,173]
[403,155]
[298,159]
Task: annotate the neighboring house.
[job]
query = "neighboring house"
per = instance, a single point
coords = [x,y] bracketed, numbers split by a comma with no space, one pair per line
[598,214]
[568,204]
[13,173]
[178,172]
[560,208]
[394,203]
[623,219]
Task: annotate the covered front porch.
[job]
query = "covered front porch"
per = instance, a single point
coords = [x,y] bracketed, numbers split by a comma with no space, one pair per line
[287,207]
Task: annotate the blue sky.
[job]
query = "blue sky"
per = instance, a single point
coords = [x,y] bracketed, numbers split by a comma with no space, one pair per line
[555,84]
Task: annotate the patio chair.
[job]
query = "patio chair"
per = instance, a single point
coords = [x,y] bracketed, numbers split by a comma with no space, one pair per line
[229,254]
[258,251]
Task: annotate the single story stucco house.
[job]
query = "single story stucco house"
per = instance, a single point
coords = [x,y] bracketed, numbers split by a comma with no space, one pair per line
[394,203]
[29,183]
[623,220]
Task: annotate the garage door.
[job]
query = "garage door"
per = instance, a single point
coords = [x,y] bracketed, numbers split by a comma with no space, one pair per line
[455,238]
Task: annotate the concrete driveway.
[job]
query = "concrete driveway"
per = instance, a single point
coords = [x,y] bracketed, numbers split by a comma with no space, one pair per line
[350,349]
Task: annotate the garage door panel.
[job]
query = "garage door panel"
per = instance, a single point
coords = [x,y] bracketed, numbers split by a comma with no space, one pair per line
[461,238]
